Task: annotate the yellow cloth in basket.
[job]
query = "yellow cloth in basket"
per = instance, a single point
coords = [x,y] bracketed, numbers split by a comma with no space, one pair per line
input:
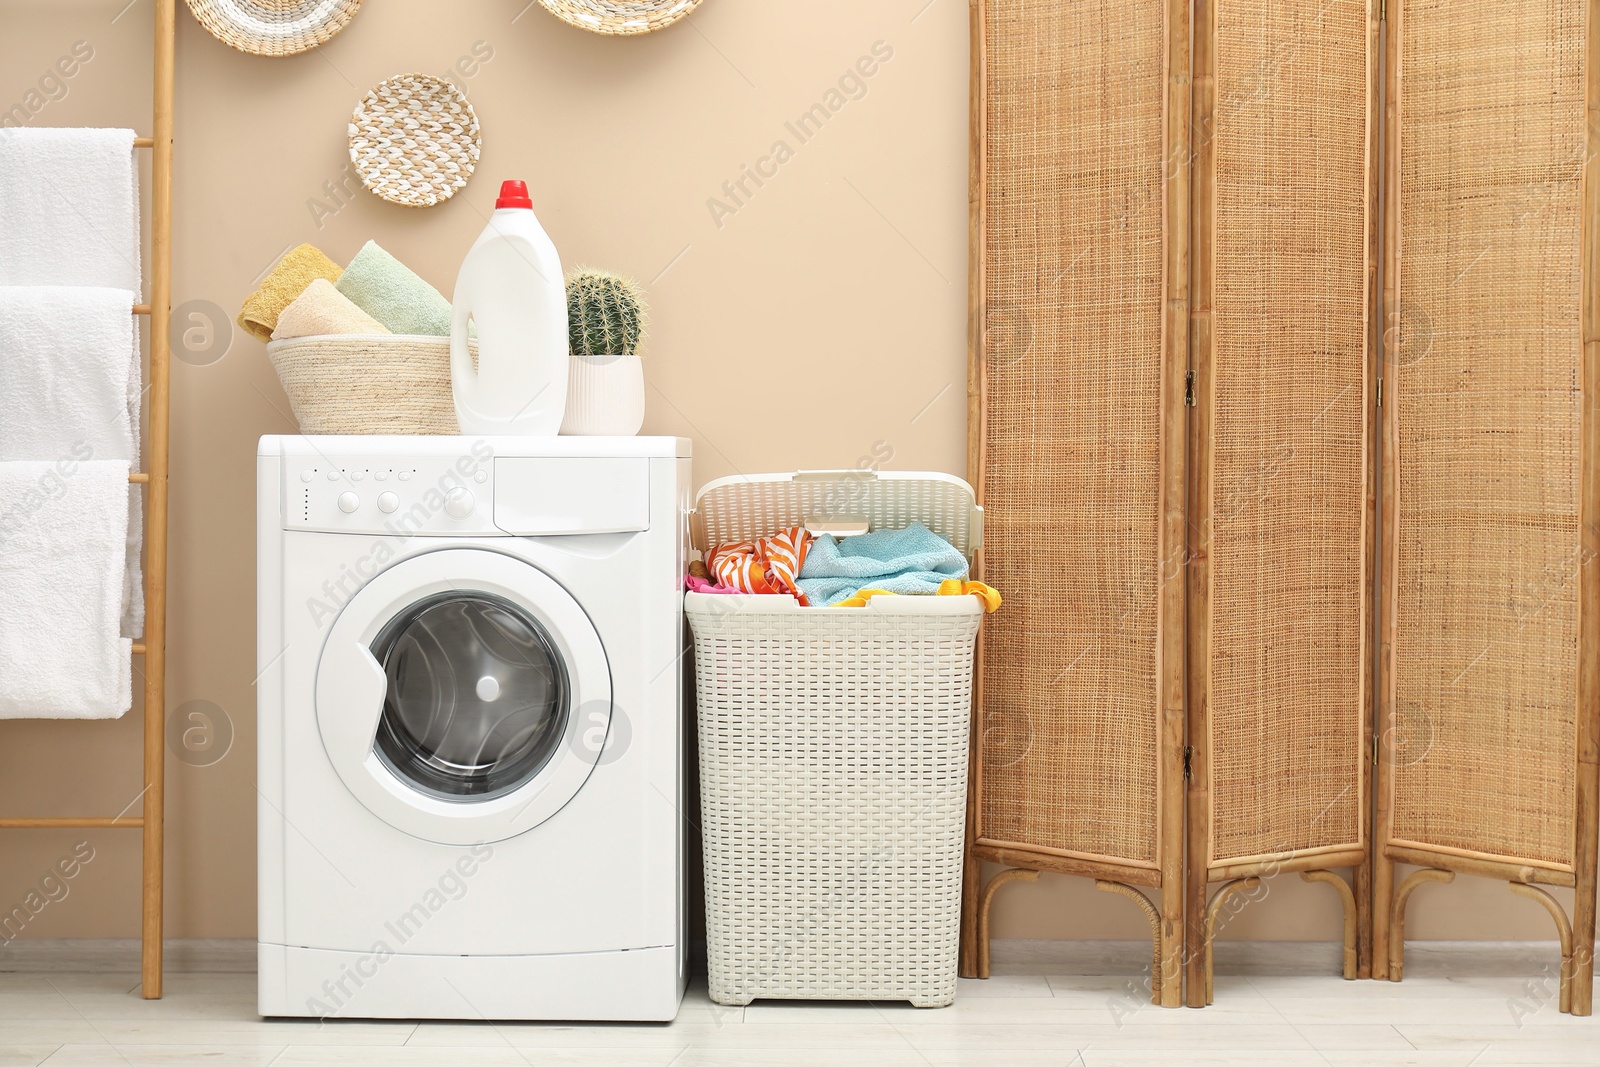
[295,271]
[950,587]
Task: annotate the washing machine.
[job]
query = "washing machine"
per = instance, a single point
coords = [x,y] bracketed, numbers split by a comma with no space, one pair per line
[470,727]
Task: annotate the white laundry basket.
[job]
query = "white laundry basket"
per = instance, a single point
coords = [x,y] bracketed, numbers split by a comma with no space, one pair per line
[833,755]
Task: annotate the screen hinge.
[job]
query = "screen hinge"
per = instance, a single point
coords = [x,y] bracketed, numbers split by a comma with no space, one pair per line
[1188,389]
[1380,390]
[1374,750]
[1188,763]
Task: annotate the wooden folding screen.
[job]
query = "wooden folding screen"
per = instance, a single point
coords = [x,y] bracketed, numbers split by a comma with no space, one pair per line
[1281,501]
[1079,281]
[1490,694]
[1228,630]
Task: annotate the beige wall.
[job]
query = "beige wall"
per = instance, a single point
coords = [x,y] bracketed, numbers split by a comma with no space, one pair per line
[818,324]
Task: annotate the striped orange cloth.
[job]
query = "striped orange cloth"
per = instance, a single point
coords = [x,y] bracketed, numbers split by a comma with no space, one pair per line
[765,565]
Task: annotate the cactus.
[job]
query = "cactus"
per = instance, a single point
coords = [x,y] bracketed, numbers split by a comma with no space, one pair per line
[605,314]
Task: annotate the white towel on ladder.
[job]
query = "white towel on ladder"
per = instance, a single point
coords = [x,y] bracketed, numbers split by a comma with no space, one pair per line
[69,208]
[71,388]
[62,529]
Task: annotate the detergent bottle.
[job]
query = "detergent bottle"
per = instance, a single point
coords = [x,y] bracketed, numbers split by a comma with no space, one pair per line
[510,288]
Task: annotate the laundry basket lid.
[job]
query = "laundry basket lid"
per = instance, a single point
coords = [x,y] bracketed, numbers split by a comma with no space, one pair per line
[745,506]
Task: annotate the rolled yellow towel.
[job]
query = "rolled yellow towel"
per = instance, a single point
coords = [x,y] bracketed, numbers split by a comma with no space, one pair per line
[296,270]
[322,309]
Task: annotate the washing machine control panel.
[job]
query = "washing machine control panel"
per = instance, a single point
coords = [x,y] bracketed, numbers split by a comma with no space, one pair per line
[435,495]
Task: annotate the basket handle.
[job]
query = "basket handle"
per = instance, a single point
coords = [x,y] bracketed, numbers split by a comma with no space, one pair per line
[860,474]
[848,526]
[464,379]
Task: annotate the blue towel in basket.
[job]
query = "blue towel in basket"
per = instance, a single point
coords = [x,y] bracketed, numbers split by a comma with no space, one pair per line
[909,561]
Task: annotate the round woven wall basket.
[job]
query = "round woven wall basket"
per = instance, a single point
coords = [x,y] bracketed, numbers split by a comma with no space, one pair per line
[620,17]
[414,140]
[397,383]
[274,27]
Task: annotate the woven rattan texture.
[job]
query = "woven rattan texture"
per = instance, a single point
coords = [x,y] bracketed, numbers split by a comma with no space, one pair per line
[274,27]
[414,140]
[833,775]
[368,385]
[1487,394]
[1073,349]
[620,17]
[1288,509]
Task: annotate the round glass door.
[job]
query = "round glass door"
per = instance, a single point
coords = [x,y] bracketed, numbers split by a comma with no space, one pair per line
[448,695]
[477,700]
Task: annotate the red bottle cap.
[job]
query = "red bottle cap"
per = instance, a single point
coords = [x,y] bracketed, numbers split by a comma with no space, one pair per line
[514,194]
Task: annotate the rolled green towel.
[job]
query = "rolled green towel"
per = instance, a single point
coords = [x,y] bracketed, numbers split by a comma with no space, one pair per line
[386,289]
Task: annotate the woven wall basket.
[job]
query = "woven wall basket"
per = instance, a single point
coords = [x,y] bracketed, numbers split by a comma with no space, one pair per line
[620,18]
[414,140]
[396,384]
[274,27]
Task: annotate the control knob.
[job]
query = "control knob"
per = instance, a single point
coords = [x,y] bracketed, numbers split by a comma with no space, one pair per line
[458,502]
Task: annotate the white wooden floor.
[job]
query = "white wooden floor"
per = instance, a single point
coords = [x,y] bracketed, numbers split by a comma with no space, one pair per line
[1495,1009]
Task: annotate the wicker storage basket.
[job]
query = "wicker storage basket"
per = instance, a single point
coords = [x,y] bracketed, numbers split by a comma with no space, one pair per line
[388,384]
[833,756]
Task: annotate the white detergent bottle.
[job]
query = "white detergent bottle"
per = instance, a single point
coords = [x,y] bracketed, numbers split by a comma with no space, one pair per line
[511,288]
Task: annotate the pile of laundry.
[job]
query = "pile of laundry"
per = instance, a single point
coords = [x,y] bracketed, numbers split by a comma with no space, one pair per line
[824,571]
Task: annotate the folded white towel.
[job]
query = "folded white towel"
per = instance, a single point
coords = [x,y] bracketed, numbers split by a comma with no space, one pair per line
[62,530]
[70,387]
[69,208]
[67,359]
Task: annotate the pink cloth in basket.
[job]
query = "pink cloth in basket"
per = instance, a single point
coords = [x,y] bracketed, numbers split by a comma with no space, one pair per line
[700,585]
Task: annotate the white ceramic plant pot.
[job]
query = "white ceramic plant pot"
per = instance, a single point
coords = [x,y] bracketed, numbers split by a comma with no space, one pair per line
[605,396]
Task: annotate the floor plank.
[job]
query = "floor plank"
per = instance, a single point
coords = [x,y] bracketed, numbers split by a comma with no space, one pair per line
[1088,1006]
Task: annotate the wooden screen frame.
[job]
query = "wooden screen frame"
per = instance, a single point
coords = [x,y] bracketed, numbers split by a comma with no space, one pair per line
[1200,870]
[1443,864]
[1166,914]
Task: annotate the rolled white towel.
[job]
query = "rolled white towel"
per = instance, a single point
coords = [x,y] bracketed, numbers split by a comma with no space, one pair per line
[62,530]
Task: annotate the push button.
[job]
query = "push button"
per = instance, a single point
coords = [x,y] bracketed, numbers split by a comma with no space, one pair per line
[387,502]
[348,502]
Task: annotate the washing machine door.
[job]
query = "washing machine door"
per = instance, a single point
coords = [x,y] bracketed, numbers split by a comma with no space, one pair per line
[463,695]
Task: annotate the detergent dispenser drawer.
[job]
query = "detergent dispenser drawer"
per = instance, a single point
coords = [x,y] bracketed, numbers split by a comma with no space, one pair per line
[554,496]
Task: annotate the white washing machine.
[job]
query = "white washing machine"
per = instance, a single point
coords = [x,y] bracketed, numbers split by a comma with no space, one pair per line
[470,726]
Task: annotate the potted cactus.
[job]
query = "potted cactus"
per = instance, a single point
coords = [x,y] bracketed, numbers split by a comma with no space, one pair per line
[605,323]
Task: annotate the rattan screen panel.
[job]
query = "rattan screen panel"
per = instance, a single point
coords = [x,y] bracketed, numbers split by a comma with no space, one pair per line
[1487,404]
[1072,306]
[1286,524]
